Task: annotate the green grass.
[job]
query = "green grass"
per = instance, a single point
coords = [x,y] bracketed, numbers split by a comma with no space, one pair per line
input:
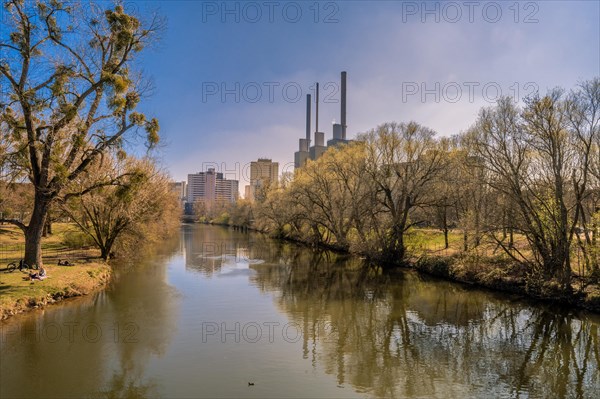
[432,240]
[55,246]
[18,294]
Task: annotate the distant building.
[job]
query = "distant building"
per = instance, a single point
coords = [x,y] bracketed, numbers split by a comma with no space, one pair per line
[263,173]
[179,188]
[226,191]
[314,152]
[209,188]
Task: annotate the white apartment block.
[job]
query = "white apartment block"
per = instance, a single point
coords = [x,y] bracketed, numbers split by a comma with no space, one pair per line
[210,187]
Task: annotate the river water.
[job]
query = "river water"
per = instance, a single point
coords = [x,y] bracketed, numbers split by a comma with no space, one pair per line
[220,313]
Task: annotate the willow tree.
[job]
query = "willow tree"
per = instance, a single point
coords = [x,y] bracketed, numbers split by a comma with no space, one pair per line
[403,162]
[332,194]
[69,96]
[114,213]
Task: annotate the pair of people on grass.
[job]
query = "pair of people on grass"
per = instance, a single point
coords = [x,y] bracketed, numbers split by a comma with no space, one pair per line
[40,275]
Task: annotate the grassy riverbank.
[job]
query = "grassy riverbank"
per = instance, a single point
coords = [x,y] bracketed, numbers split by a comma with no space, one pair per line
[499,275]
[485,266]
[19,294]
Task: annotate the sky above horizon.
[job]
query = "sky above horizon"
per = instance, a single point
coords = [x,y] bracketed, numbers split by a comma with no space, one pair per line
[231,78]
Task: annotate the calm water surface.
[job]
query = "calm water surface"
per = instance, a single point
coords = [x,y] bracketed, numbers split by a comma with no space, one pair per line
[216,309]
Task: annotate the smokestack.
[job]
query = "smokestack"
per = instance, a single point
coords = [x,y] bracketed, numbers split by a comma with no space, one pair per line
[317,108]
[343,110]
[308,106]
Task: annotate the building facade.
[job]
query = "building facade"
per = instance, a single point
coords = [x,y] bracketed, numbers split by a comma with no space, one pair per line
[210,188]
[179,188]
[314,152]
[263,173]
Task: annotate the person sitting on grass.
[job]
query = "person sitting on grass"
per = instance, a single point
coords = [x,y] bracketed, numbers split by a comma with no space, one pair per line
[38,276]
[65,263]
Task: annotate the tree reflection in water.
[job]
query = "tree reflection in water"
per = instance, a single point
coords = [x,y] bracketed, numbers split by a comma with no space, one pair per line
[145,329]
[383,334]
[405,335]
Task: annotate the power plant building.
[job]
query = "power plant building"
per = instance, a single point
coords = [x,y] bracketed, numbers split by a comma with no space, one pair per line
[314,152]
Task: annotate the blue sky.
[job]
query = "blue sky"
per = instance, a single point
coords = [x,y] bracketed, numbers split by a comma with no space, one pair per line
[436,63]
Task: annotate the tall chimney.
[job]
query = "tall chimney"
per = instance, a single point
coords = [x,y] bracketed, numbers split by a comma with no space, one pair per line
[308,106]
[343,111]
[317,108]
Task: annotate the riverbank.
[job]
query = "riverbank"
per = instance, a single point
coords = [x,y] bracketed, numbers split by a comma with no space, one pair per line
[18,295]
[491,272]
[88,273]
[499,275]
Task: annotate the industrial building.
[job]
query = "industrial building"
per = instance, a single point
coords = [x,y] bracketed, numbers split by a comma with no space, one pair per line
[305,150]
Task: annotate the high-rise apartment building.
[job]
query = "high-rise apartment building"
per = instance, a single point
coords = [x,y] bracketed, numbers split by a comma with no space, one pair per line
[179,188]
[210,188]
[263,173]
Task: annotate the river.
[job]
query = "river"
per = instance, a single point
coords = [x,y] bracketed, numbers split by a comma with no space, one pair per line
[221,313]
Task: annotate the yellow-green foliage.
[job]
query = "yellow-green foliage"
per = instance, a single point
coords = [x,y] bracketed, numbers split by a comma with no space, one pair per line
[76,239]
[19,295]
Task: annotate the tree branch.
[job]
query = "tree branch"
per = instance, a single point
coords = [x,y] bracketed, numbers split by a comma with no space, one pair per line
[15,222]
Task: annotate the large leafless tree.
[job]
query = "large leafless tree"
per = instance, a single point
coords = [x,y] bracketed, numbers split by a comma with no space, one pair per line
[403,161]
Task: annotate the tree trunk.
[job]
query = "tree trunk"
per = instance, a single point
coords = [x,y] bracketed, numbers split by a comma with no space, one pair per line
[504,224]
[35,229]
[47,226]
[446,243]
[105,253]
[564,274]
[595,227]
[445,224]
[395,250]
[400,250]
[477,227]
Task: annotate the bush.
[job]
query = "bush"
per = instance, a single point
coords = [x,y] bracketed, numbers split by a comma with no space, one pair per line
[77,239]
[437,266]
[223,218]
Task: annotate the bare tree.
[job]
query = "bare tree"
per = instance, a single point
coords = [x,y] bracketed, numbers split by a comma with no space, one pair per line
[402,162]
[323,201]
[331,193]
[106,214]
[583,121]
[535,160]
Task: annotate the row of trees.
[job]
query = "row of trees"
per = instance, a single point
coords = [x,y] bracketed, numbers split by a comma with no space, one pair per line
[68,112]
[531,171]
